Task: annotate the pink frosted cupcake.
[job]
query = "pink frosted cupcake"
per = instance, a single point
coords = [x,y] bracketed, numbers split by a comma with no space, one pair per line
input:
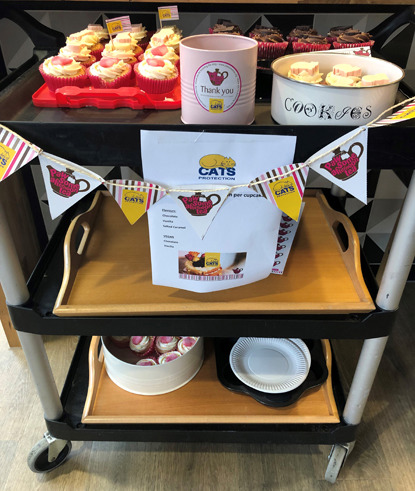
[140,34]
[141,345]
[156,76]
[79,52]
[59,71]
[165,344]
[186,344]
[147,362]
[167,357]
[110,73]
[162,52]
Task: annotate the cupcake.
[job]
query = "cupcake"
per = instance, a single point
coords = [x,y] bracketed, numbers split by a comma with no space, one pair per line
[59,71]
[313,42]
[110,73]
[186,344]
[167,357]
[353,38]
[271,44]
[90,39]
[335,32]
[120,341]
[169,36]
[141,345]
[146,362]
[125,41]
[124,51]
[139,33]
[224,26]
[156,76]
[301,32]
[304,71]
[162,52]
[165,344]
[100,32]
[78,52]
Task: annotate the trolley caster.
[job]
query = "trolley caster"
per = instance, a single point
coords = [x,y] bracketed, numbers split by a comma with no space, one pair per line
[337,458]
[48,453]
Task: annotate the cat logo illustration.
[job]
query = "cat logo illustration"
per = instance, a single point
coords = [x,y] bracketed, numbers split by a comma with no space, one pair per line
[6,156]
[212,259]
[216,105]
[287,196]
[217,165]
[134,204]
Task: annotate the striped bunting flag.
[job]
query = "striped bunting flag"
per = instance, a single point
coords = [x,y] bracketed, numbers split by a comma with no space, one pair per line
[119,24]
[134,199]
[14,153]
[408,112]
[284,191]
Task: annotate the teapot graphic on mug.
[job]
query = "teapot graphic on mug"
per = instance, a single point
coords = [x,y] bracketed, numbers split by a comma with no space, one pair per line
[199,204]
[217,77]
[65,184]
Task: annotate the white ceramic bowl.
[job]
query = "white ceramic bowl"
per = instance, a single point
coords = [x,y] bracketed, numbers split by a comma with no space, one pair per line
[302,103]
[157,379]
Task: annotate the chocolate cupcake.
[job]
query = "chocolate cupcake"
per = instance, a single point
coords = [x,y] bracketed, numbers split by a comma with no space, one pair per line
[313,42]
[353,38]
[224,26]
[271,43]
[335,32]
[301,32]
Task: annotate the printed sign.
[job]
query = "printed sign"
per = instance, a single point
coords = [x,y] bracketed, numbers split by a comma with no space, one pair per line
[118,24]
[134,197]
[14,153]
[65,184]
[208,266]
[284,191]
[345,165]
[168,13]
[217,86]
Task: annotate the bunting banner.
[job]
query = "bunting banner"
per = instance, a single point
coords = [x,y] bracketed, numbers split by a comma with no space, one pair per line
[408,112]
[65,186]
[283,190]
[134,197]
[14,153]
[200,209]
[118,24]
[345,164]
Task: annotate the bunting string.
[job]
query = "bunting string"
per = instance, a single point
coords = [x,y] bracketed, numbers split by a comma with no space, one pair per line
[295,167]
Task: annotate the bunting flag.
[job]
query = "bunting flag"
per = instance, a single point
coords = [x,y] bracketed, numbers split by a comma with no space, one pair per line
[286,192]
[65,184]
[14,153]
[200,209]
[408,112]
[345,165]
[134,197]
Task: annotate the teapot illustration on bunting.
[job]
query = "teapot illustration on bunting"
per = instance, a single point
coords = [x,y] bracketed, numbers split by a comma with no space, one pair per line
[199,204]
[64,183]
[217,77]
[344,168]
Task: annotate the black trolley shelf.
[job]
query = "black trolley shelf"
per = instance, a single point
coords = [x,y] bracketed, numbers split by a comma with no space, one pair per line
[93,137]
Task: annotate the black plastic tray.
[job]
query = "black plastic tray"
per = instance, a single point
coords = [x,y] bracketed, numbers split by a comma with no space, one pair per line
[316,376]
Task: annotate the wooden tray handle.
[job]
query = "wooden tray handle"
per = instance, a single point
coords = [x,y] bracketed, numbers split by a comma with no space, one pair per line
[72,251]
[350,251]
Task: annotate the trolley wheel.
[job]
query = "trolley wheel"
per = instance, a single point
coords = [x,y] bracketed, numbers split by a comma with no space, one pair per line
[38,458]
[336,458]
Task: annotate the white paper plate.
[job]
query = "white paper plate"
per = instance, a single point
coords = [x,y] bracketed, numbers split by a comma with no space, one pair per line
[304,348]
[271,365]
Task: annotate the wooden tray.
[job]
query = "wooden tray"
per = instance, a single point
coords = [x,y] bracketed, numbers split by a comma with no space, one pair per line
[202,400]
[109,272]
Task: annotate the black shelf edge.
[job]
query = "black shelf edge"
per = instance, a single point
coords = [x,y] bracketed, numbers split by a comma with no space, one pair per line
[73,396]
[36,315]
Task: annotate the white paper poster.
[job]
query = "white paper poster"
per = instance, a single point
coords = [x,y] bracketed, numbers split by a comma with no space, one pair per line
[239,246]
[346,165]
[65,186]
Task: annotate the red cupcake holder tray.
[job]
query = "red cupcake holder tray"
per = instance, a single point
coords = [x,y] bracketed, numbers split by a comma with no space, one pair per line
[132,97]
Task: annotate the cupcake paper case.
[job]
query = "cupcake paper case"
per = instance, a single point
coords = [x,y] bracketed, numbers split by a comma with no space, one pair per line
[271,44]
[353,38]
[156,76]
[310,43]
[59,71]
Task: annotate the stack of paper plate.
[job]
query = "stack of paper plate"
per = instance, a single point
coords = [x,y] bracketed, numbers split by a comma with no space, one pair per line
[272,365]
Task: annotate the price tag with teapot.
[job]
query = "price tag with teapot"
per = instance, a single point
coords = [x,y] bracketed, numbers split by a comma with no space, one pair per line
[207,235]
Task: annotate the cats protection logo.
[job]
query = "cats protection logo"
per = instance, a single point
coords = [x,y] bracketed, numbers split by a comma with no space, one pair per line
[214,167]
